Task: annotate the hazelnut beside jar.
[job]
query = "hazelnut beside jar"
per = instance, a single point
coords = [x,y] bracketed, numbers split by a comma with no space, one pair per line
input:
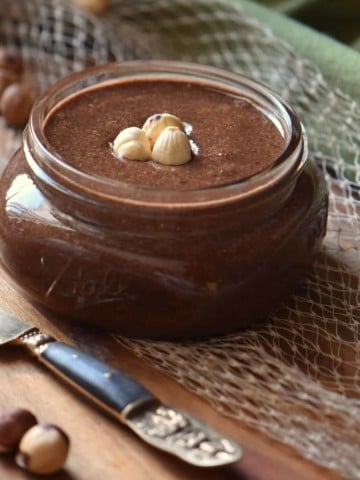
[43,449]
[6,79]
[14,424]
[11,61]
[16,95]
[16,103]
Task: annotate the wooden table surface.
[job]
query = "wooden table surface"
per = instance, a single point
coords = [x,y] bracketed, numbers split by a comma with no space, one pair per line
[101,448]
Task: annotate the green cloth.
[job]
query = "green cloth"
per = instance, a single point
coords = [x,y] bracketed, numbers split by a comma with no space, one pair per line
[338,18]
[339,63]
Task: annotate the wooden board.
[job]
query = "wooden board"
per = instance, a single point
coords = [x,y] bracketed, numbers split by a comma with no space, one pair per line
[101,448]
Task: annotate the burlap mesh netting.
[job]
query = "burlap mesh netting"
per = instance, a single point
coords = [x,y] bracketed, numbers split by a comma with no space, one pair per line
[296,377]
[56,39]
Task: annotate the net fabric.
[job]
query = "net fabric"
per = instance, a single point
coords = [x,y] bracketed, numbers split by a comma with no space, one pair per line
[297,377]
[56,39]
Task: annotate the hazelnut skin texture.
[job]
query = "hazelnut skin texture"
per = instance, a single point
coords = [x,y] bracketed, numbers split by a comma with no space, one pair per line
[43,449]
[7,78]
[16,104]
[13,425]
[11,60]
[172,147]
[156,124]
[97,7]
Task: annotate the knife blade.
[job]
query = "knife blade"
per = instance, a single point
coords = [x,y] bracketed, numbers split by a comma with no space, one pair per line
[169,429]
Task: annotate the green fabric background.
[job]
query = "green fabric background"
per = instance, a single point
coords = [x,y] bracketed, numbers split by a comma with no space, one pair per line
[339,63]
[338,18]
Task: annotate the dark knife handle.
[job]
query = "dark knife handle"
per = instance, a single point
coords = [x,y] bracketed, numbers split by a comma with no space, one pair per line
[105,385]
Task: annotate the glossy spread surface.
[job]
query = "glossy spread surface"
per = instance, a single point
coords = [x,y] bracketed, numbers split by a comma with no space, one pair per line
[235,139]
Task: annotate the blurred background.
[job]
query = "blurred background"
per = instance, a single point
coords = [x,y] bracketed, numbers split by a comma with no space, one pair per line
[337,18]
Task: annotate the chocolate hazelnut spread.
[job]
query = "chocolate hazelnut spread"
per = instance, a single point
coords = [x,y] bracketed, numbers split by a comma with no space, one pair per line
[187,264]
[235,139]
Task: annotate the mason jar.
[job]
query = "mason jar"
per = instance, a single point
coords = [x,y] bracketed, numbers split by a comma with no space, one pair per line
[154,262]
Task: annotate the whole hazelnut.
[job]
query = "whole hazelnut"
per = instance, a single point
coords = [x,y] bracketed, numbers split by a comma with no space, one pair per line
[43,449]
[7,78]
[94,6]
[16,104]
[13,424]
[11,60]
[172,147]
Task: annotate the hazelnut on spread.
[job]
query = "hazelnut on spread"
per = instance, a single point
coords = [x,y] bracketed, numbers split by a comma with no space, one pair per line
[172,147]
[205,230]
[156,123]
[162,139]
[235,139]
[132,144]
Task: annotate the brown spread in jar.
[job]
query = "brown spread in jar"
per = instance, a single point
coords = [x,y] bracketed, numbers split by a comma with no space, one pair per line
[157,251]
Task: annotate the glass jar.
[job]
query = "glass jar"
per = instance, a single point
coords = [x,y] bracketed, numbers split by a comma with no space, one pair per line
[158,263]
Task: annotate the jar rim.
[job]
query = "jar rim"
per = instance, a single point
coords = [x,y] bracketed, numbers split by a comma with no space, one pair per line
[48,165]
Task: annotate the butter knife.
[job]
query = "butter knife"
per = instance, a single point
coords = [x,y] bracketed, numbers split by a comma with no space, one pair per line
[171,430]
